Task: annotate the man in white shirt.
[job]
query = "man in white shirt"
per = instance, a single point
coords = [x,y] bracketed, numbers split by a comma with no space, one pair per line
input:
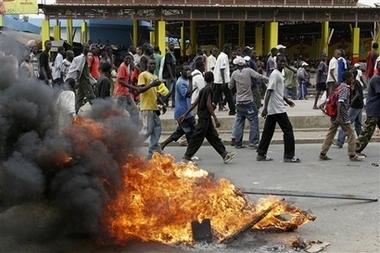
[197,80]
[222,78]
[211,60]
[80,72]
[66,63]
[57,78]
[65,105]
[332,74]
[359,76]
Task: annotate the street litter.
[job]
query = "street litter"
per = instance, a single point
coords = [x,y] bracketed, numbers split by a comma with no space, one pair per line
[309,246]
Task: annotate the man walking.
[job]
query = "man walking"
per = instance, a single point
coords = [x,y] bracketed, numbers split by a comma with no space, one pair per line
[205,127]
[373,112]
[341,119]
[274,112]
[183,91]
[148,106]
[246,108]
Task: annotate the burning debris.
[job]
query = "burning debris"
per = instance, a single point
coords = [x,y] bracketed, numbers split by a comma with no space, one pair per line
[92,174]
[159,199]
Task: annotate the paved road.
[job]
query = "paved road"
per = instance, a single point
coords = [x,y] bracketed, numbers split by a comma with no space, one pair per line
[349,225]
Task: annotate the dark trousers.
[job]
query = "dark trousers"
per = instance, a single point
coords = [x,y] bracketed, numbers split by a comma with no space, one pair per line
[85,90]
[269,127]
[223,89]
[185,127]
[205,129]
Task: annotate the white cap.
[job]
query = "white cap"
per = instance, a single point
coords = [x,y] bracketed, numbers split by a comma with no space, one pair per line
[239,61]
[357,65]
[304,64]
[280,46]
[247,58]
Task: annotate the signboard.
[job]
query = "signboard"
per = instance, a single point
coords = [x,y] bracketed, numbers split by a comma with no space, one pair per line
[18,7]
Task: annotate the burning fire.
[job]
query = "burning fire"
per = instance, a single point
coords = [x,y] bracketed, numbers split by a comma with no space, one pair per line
[159,200]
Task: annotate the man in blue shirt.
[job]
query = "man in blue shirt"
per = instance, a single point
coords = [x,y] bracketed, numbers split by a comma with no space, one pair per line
[373,113]
[183,91]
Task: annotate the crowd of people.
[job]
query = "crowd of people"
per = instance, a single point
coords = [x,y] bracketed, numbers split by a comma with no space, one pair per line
[146,83]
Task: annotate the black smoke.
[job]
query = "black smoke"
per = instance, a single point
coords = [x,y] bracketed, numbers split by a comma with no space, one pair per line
[31,146]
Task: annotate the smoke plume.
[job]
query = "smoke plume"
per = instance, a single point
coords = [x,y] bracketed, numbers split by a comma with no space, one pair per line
[76,171]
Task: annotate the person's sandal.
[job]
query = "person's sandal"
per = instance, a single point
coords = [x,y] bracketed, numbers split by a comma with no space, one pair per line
[324,157]
[264,158]
[292,160]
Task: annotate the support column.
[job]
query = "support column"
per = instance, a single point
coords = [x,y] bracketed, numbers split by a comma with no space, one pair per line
[324,44]
[222,28]
[273,36]
[1,21]
[152,38]
[45,32]
[161,36]
[193,38]
[69,28]
[259,40]
[156,36]
[242,34]
[267,38]
[84,32]
[183,41]
[378,33]
[57,30]
[355,44]
[136,32]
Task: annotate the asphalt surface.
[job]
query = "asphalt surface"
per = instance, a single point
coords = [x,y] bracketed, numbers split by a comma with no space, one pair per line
[348,225]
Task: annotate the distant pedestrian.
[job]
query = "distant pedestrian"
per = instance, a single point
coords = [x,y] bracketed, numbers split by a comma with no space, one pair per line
[290,81]
[103,84]
[342,119]
[124,89]
[211,60]
[271,64]
[66,63]
[80,72]
[332,75]
[205,127]
[274,112]
[65,104]
[303,79]
[321,79]
[359,76]
[34,61]
[26,68]
[222,78]
[57,75]
[370,60]
[169,74]
[373,112]
[44,61]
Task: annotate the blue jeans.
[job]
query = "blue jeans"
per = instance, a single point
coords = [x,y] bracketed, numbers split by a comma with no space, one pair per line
[303,91]
[250,112]
[355,116]
[292,92]
[151,128]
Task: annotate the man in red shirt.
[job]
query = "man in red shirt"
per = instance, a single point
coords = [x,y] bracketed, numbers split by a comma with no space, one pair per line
[93,62]
[122,93]
[370,60]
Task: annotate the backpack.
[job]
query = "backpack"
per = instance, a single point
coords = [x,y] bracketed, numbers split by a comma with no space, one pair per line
[332,103]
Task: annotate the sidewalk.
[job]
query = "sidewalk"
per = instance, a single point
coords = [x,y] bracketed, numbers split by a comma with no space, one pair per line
[310,126]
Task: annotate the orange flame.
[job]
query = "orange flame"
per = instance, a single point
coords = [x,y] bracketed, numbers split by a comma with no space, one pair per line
[160,198]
